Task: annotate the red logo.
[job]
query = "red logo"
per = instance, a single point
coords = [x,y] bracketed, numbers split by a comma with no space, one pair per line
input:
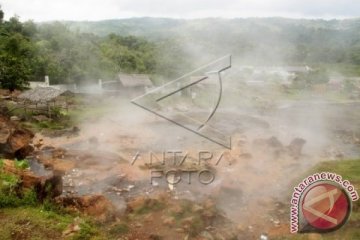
[326,207]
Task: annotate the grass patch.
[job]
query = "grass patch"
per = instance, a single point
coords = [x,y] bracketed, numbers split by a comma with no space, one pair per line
[8,182]
[25,218]
[348,169]
[54,125]
[90,112]
[31,223]
[37,223]
[51,125]
[87,231]
[10,194]
[21,164]
[119,229]
[188,217]
[149,205]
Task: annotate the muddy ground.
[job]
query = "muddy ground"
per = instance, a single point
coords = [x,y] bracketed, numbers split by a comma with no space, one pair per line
[252,182]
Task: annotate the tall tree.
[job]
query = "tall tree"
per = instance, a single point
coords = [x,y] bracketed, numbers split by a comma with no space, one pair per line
[1,15]
[16,55]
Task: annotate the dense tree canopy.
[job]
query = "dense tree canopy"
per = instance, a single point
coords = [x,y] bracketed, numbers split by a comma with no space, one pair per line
[17,54]
[29,52]
[169,48]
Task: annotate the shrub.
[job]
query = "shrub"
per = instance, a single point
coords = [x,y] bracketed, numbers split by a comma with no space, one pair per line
[22,164]
[10,194]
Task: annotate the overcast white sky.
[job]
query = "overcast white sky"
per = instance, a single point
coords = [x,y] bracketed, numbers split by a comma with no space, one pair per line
[44,10]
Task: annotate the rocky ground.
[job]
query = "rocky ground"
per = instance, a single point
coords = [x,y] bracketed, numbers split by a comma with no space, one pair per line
[87,170]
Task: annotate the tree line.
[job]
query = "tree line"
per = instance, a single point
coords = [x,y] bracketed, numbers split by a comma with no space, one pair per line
[28,52]
[168,48]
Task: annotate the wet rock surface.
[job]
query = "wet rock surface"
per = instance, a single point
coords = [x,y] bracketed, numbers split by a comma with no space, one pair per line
[46,184]
[14,140]
[99,182]
[165,217]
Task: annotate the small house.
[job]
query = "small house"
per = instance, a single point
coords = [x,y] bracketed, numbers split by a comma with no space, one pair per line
[44,99]
[130,85]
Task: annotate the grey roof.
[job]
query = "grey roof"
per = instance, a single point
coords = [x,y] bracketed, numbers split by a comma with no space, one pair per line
[297,68]
[69,87]
[41,94]
[135,80]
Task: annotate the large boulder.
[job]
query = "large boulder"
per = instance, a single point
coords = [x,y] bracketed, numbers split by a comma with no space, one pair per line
[5,130]
[295,147]
[274,148]
[14,140]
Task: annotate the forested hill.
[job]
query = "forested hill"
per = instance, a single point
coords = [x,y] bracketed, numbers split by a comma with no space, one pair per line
[160,27]
[82,51]
[252,39]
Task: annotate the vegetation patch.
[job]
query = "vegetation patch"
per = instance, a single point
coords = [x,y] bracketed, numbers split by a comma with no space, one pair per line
[119,229]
